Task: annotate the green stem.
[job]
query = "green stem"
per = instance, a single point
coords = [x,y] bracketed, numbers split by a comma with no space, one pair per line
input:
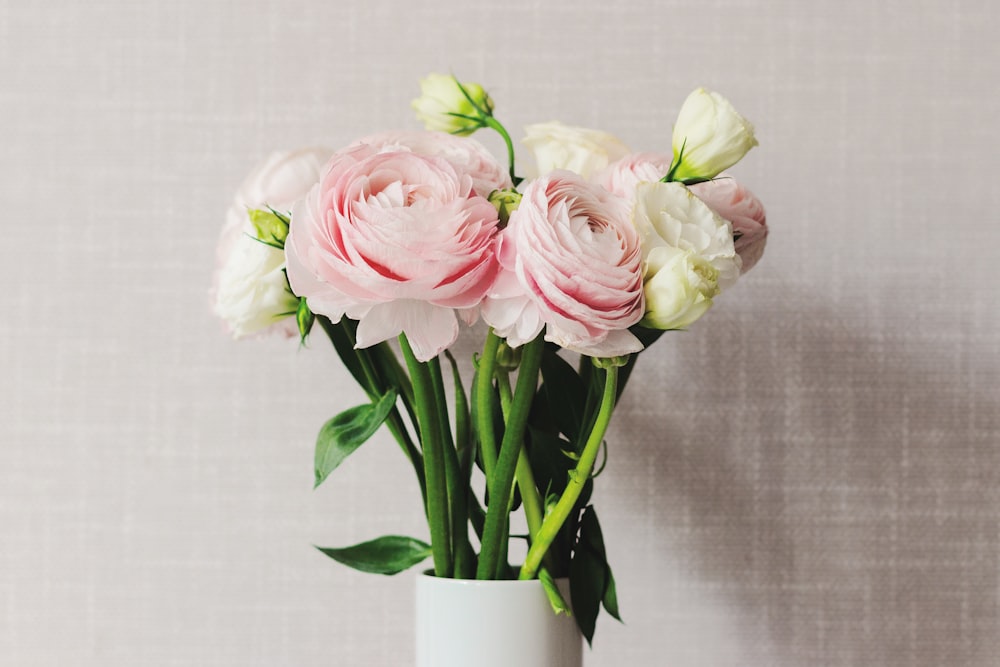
[529,495]
[434,461]
[387,363]
[577,479]
[500,484]
[484,402]
[493,123]
[457,490]
[523,474]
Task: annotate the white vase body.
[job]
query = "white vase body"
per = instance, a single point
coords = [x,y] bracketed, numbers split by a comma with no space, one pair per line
[493,624]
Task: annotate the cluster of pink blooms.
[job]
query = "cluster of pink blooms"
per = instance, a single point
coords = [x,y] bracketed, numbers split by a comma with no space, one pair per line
[398,231]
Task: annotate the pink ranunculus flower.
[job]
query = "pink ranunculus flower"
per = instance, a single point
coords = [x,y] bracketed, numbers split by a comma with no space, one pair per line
[572,263]
[249,289]
[468,156]
[396,240]
[738,205]
[621,176]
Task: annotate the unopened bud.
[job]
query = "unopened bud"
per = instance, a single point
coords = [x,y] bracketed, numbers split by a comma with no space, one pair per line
[304,318]
[505,202]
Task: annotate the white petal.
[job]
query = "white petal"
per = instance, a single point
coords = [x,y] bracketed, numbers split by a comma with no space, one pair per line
[429,329]
[616,344]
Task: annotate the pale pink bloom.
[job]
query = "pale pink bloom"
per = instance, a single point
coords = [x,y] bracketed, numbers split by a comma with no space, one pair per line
[738,205]
[468,156]
[249,290]
[572,264]
[621,176]
[396,240]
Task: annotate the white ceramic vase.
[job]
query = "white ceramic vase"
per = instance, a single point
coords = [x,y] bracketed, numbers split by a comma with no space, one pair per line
[463,622]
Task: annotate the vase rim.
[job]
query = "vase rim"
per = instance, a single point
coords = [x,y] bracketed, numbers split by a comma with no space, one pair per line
[428,575]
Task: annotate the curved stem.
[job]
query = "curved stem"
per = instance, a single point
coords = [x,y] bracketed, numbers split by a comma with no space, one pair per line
[493,123]
[577,479]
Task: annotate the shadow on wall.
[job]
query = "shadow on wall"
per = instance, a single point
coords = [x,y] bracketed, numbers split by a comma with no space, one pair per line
[837,482]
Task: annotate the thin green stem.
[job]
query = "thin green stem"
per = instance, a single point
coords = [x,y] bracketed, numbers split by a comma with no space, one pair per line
[434,461]
[493,123]
[524,477]
[530,497]
[500,484]
[577,479]
[457,488]
[485,401]
[387,364]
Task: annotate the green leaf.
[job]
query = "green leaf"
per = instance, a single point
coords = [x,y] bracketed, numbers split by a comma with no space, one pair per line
[343,434]
[591,581]
[566,394]
[610,600]
[384,555]
[550,460]
[270,228]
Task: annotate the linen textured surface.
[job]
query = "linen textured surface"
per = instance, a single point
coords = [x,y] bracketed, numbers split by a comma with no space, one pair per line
[809,476]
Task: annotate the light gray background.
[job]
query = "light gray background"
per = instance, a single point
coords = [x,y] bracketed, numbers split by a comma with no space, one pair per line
[811,476]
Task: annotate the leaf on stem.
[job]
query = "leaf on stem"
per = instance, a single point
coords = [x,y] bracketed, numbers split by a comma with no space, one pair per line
[390,554]
[566,394]
[591,581]
[343,434]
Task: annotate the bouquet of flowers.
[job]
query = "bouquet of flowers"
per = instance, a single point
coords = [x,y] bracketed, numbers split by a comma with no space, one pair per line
[394,242]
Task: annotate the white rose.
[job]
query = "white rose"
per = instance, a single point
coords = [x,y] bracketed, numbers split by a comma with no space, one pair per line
[679,288]
[688,254]
[576,149]
[250,292]
[712,135]
[282,178]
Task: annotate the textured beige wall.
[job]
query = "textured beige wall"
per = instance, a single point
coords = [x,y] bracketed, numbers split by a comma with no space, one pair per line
[811,476]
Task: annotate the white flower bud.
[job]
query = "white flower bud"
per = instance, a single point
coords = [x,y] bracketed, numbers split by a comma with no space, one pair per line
[709,136]
[446,105]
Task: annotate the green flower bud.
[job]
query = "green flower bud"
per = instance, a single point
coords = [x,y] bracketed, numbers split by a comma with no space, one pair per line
[271,227]
[709,136]
[304,318]
[447,105]
[506,202]
[508,358]
[610,362]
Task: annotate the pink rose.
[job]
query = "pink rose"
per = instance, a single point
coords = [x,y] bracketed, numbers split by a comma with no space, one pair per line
[468,156]
[622,176]
[396,240]
[249,289]
[738,205]
[572,263]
